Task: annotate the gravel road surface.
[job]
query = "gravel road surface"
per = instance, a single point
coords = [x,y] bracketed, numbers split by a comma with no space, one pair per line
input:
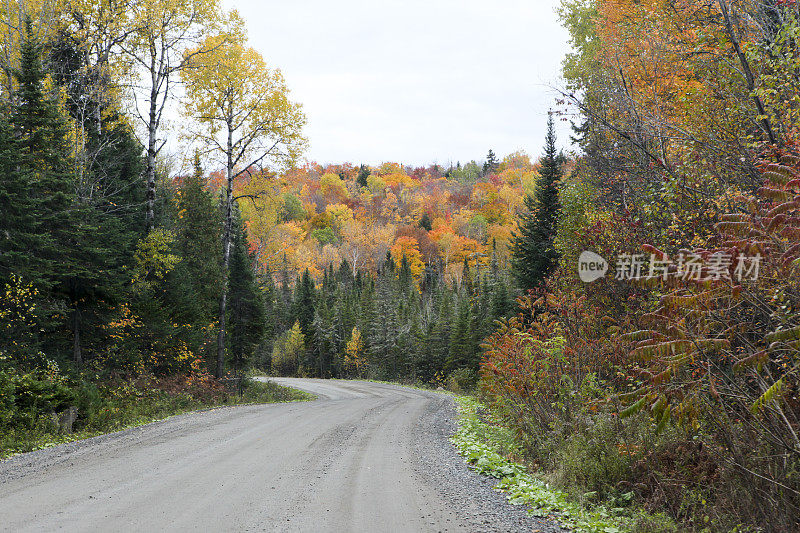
[363,457]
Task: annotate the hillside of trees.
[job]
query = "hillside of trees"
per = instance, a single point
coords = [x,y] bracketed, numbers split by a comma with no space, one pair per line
[391,272]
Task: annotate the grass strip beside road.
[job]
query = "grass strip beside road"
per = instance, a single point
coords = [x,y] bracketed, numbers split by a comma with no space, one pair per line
[128,406]
[486,447]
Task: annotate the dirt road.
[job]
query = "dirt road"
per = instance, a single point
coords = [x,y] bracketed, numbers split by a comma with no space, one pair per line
[354,460]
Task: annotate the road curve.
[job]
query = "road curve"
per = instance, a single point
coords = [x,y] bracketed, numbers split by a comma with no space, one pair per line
[345,462]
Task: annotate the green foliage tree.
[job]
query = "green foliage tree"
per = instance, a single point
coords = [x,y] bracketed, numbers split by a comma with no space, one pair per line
[288,350]
[246,301]
[425,222]
[42,148]
[534,253]
[19,228]
[491,164]
[199,244]
[292,208]
[461,353]
[363,174]
[305,302]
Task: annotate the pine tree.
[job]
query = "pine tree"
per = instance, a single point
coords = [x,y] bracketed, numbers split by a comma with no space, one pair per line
[363,174]
[425,222]
[304,303]
[19,228]
[199,243]
[246,304]
[534,255]
[461,353]
[491,163]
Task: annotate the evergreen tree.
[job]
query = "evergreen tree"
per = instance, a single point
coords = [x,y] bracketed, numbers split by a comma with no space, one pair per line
[43,155]
[534,254]
[263,351]
[345,274]
[284,301]
[491,163]
[363,174]
[466,279]
[107,194]
[20,231]
[389,266]
[461,354]
[304,303]
[246,303]
[199,244]
[325,341]
[405,277]
[438,340]
[383,329]
[425,222]
[64,256]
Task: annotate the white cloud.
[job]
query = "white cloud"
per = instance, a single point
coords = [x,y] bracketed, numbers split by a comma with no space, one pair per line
[414,81]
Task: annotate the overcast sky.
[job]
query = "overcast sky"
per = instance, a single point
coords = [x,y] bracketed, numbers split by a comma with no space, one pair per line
[412,81]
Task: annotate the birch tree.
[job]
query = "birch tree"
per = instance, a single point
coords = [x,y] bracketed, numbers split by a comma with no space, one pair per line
[165,41]
[242,118]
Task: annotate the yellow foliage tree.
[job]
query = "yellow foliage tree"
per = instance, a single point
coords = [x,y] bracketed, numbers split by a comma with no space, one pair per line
[408,247]
[287,351]
[242,115]
[355,361]
[332,185]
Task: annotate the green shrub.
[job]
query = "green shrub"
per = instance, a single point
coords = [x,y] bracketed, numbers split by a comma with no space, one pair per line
[461,380]
[595,460]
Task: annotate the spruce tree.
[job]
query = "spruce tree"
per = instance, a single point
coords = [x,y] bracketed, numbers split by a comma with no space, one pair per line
[461,346]
[19,228]
[466,279]
[199,243]
[383,330]
[405,277]
[534,255]
[425,222]
[491,163]
[66,259]
[246,304]
[438,340]
[284,300]
[43,156]
[363,174]
[304,303]
[269,291]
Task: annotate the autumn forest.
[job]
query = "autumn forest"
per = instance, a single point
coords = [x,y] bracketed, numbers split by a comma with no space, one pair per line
[164,238]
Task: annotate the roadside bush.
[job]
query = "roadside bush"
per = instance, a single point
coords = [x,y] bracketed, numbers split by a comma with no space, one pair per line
[461,380]
[24,398]
[595,459]
[714,472]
